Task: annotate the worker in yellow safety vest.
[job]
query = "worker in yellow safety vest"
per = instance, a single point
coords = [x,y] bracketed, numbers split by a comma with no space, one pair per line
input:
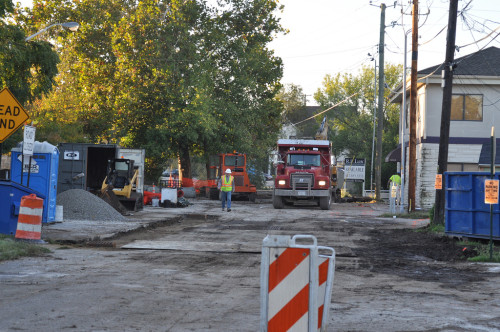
[226,187]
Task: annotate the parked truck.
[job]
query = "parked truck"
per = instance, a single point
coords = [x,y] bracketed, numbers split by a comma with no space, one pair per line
[303,173]
[237,163]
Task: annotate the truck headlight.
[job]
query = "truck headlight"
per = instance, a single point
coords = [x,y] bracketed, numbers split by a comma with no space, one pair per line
[281,182]
[322,183]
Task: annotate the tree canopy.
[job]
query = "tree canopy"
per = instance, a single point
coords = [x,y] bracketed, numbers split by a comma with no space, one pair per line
[351,122]
[178,77]
[28,69]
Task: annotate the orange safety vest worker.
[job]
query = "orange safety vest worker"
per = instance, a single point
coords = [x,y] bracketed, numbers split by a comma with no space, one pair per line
[227,185]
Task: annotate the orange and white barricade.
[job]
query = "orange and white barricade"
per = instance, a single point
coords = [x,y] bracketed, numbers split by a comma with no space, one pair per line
[29,222]
[296,284]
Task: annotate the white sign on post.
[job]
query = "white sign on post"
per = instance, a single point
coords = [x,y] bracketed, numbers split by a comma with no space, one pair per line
[29,140]
[354,169]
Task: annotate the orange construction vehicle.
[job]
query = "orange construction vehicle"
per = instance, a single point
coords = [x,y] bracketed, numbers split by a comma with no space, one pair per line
[236,162]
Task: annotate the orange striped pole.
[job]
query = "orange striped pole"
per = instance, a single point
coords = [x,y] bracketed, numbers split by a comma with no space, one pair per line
[289,289]
[295,284]
[29,222]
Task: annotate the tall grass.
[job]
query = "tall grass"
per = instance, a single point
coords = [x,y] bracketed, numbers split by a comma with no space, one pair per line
[11,249]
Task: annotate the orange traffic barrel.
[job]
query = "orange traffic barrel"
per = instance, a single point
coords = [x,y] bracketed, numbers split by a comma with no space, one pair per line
[29,222]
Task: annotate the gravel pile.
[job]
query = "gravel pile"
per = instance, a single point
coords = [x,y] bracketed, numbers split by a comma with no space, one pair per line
[79,204]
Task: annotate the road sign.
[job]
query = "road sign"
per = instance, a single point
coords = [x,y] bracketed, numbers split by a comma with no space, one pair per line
[354,169]
[12,114]
[29,140]
[438,183]
[491,191]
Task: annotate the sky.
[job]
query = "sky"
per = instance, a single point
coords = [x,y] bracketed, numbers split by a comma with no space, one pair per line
[336,36]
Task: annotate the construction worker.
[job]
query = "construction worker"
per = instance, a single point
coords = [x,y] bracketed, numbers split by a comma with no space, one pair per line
[226,187]
[395,181]
[396,178]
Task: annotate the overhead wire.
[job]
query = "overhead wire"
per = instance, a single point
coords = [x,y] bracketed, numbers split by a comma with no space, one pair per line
[328,109]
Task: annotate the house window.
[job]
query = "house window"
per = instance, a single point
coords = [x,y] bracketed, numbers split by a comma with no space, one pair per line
[467,107]
[456,167]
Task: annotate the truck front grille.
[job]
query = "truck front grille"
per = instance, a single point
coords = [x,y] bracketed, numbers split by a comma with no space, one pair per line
[239,180]
[302,181]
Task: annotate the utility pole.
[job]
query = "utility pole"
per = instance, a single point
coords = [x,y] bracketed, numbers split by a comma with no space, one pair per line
[380,109]
[412,170]
[444,136]
[374,122]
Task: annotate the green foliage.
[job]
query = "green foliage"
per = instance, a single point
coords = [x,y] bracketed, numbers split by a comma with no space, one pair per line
[177,78]
[431,213]
[409,215]
[351,123]
[10,249]
[28,68]
[484,255]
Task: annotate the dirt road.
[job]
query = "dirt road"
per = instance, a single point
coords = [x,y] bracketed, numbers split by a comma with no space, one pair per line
[204,274]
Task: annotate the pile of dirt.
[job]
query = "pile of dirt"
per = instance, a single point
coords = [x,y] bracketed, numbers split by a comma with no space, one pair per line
[79,204]
[417,255]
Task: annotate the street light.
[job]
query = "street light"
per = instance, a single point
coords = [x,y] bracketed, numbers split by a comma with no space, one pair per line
[71,26]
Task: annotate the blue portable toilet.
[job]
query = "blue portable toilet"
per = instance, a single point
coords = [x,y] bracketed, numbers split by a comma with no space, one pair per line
[10,201]
[43,175]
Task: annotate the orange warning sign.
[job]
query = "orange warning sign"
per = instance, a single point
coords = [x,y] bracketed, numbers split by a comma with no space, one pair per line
[12,114]
[490,191]
[439,181]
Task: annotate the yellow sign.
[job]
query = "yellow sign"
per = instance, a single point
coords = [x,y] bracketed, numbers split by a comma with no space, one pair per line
[439,182]
[12,114]
[490,191]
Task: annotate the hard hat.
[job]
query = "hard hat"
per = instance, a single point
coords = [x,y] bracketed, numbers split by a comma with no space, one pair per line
[228,171]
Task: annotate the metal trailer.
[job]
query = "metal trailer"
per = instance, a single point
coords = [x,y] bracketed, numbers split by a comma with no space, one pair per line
[84,165]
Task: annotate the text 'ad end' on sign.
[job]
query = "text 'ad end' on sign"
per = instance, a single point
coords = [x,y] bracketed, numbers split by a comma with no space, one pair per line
[12,114]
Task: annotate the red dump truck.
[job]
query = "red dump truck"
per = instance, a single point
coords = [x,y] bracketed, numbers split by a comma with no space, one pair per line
[303,171]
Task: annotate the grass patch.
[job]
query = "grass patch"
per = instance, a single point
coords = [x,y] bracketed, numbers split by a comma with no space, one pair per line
[434,228]
[410,215]
[484,255]
[11,249]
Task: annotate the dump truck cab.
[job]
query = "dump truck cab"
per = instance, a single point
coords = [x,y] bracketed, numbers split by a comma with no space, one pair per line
[303,172]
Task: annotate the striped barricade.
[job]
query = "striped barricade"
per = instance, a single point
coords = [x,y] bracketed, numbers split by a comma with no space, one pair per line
[29,222]
[296,284]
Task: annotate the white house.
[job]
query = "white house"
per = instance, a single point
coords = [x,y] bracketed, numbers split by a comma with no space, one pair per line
[475,109]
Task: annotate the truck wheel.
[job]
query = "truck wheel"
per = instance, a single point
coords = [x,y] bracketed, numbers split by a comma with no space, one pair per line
[324,202]
[277,202]
[251,197]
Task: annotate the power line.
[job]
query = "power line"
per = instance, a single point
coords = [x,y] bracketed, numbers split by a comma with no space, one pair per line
[339,103]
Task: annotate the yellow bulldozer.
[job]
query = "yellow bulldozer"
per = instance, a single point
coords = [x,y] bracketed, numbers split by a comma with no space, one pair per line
[119,186]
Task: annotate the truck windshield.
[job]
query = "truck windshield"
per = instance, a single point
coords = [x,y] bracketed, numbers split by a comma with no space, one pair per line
[303,159]
[234,161]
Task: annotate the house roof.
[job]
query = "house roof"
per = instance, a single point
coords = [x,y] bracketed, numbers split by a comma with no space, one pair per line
[485,156]
[482,63]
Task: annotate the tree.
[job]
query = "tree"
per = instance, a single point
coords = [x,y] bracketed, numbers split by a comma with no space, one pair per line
[295,110]
[351,123]
[28,69]
[177,78]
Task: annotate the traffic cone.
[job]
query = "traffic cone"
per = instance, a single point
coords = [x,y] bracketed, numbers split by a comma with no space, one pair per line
[29,222]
